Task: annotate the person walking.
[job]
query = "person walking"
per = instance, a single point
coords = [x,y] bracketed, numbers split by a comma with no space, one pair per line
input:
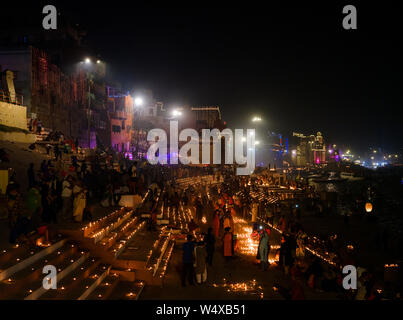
[209,239]
[39,127]
[67,192]
[187,261]
[199,210]
[228,244]
[56,151]
[264,248]
[175,202]
[34,203]
[80,201]
[200,262]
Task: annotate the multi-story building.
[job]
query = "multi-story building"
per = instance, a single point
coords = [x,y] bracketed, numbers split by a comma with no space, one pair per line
[310,150]
[207,118]
[147,115]
[49,94]
[120,109]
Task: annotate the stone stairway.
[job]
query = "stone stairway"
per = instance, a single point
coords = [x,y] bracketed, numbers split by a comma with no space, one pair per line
[111,258]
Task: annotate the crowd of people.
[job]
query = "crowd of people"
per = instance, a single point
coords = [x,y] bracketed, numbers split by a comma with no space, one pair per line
[67,187]
[222,203]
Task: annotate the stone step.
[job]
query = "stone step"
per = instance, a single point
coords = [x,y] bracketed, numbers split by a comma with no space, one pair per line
[98,234]
[161,271]
[94,280]
[105,288]
[127,290]
[126,238]
[157,253]
[28,280]
[95,226]
[26,256]
[70,286]
[110,239]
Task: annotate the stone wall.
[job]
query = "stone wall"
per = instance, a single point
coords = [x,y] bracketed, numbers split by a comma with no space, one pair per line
[17,137]
[13,115]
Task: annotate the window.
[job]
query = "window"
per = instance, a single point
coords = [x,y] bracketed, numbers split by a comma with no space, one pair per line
[116,129]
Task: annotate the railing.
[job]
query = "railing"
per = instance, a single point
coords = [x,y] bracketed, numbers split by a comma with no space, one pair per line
[5,97]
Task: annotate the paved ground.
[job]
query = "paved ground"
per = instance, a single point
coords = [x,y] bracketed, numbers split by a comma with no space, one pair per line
[241,269]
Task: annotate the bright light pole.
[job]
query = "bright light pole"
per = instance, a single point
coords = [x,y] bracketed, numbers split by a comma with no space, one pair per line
[87,61]
[138,101]
[256,119]
[176,113]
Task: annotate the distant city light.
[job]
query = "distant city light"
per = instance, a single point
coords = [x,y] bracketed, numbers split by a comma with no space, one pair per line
[98,61]
[87,60]
[294,152]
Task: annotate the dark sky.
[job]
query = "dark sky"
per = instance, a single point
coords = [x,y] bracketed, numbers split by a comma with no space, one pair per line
[293,64]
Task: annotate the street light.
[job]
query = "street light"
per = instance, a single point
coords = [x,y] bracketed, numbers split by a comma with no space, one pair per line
[138,101]
[256,119]
[176,113]
[87,60]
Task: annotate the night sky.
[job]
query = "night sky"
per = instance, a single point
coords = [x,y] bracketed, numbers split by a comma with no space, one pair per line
[292,64]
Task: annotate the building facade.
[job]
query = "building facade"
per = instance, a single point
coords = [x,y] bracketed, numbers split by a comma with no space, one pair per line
[310,150]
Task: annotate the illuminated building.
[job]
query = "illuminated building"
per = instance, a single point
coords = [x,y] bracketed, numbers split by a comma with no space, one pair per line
[148,115]
[310,150]
[207,117]
[48,93]
[120,108]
